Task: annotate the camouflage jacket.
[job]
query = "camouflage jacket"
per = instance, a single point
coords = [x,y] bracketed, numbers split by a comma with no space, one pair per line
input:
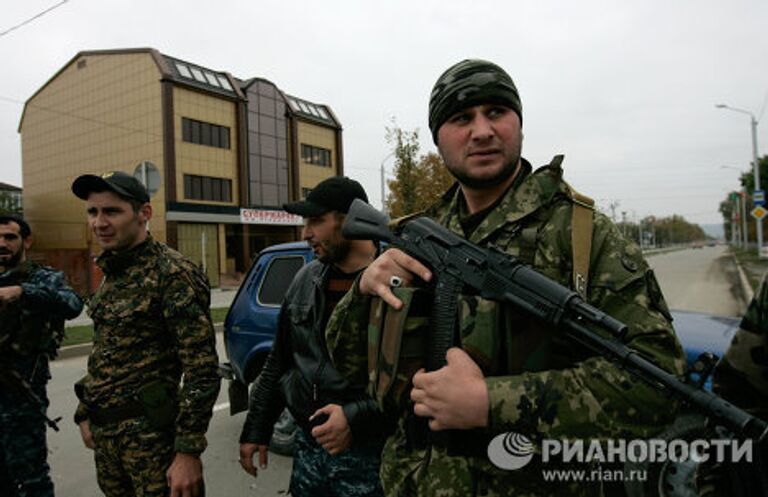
[31,329]
[539,384]
[741,376]
[152,321]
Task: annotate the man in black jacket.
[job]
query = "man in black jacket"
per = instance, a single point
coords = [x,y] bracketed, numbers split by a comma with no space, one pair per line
[338,444]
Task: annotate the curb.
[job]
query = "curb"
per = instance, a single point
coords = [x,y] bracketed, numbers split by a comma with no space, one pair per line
[82,349]
[745,286]
[652,252]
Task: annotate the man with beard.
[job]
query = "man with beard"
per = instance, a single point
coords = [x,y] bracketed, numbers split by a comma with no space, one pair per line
[508,371]
[338,442]
[34,302]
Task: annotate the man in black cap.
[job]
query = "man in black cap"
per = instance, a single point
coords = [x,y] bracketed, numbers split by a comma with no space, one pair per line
[338,442]
[34,302]
[151,315]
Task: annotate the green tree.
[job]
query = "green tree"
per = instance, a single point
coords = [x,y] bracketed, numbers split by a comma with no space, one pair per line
[418,182]
[675,229]
[403,191]
[433,179]
[747,181]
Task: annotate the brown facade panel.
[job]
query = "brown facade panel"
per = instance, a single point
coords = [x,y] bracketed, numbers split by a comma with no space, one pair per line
[169,148]
[339,154]
[172,234]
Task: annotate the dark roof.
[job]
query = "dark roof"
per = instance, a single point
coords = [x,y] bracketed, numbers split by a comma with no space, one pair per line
[201,77]
[169,70]
[311,111]
[5,187]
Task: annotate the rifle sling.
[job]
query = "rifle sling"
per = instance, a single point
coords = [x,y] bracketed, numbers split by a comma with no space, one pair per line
[581,240]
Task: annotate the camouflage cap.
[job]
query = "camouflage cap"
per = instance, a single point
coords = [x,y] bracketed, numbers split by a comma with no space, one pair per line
[471,82]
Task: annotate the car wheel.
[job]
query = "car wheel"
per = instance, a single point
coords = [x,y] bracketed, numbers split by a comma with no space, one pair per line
[669,478]
[283,435]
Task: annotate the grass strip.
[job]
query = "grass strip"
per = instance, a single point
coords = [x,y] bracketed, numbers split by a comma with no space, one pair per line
[76,335]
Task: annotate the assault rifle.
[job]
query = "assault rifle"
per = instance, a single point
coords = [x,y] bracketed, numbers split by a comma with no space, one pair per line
[10,318]
[461,266]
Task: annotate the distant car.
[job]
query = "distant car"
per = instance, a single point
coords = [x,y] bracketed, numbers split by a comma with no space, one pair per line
[250,325]
[697,245]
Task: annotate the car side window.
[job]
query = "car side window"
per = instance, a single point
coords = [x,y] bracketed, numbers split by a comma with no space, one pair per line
[277,279]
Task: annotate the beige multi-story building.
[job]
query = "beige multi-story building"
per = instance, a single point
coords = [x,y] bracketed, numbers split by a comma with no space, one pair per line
[219,154]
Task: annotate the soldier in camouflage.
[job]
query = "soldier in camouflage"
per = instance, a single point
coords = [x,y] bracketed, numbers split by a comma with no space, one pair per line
[741,377]
[509,373]
[34,302]
[152,328]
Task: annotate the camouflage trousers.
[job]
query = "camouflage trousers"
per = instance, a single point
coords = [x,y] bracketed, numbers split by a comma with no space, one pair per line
[132,458]
[24,471]
[353,473]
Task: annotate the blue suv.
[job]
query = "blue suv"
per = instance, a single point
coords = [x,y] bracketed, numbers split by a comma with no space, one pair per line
[251,322]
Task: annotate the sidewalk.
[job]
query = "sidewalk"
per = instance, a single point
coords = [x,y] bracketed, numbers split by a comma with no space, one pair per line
[220,297]
[752,267]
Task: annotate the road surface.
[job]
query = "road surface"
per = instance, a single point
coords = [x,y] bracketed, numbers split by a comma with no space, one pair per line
[703,280]
[72,466]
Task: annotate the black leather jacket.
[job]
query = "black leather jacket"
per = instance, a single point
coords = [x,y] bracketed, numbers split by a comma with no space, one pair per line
[298,372]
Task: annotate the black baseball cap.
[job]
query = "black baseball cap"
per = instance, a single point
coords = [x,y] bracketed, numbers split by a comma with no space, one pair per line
[119,182]
[332,194]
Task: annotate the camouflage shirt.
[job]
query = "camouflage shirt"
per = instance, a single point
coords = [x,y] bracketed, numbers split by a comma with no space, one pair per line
[152,321]
[540,384]
[31,329]
[741,376]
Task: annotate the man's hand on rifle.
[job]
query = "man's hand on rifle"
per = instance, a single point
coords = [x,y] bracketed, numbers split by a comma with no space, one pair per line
[454,397]
[9,294]
[377,278]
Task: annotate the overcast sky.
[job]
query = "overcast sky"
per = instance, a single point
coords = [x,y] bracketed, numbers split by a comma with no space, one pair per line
[626,90]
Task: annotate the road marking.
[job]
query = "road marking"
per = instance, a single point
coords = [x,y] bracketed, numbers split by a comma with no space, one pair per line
[221,407]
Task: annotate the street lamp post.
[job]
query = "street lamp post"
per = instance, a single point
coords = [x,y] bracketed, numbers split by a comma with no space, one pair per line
[755,166]
[383,182]
[734,218]
[743,205]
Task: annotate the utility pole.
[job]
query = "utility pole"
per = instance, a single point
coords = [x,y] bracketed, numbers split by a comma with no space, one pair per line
[734,217]
[624,223]
[744,232]
[383,182]
[755,168]
[613,206]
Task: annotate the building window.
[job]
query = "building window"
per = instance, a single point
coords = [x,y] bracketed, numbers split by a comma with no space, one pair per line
[203,133]
[207,188]
[316,155]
